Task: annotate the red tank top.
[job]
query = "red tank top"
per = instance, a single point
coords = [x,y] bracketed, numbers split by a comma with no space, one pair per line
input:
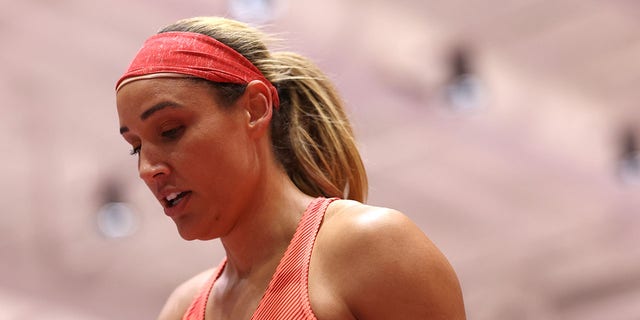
[287,296]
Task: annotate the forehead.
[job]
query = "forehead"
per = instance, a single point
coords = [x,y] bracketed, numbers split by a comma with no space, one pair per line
[146,89]
[135,97]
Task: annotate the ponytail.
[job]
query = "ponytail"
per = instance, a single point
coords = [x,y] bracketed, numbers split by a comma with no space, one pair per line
[311,134]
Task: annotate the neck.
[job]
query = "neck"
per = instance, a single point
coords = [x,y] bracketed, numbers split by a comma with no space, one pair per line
[262,235]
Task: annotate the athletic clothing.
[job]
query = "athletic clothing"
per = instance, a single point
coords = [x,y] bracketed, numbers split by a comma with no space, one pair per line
[287,296]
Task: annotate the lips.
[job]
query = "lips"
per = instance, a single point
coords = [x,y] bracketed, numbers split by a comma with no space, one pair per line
[174,198]
[174,202]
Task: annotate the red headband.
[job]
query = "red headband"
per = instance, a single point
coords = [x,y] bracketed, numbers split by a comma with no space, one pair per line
[194,54]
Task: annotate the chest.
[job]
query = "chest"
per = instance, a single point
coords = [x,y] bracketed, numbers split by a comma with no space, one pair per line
[288,295]
[238,302]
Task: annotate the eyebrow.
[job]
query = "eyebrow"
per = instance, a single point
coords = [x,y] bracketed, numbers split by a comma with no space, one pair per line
[149,112]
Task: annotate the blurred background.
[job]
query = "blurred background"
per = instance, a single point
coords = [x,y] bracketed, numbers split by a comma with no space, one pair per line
[508,130]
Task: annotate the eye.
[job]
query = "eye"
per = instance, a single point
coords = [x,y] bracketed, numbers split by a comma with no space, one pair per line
[134,151]
[173,133]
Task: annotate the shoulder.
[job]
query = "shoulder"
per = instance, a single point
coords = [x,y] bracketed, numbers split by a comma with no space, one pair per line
[381,252]
[182,296]
[352,225]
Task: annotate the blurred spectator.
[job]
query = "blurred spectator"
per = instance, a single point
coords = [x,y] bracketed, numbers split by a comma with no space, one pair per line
[115,218]
[629,158]
[463,90]
[254,11]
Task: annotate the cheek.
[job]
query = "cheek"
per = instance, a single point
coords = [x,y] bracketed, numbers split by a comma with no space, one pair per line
[216,150]
[214,156]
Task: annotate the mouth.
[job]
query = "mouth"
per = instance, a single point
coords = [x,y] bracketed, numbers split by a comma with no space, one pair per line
[174,198]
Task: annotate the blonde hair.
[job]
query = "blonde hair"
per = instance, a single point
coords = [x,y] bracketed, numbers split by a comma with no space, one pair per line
[311,134]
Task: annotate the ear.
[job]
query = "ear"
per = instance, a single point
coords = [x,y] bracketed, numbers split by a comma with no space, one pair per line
[258,107]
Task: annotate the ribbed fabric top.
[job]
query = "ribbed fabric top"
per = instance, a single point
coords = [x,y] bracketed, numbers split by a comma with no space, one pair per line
[287,296]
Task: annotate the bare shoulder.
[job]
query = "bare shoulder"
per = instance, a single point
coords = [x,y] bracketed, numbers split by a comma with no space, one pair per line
[385,266]
[183,295]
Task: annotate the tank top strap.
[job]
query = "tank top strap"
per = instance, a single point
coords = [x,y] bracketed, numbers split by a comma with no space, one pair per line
[287,296]
[197,308]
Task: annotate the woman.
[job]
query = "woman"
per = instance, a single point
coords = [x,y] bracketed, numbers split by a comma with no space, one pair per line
[254,148]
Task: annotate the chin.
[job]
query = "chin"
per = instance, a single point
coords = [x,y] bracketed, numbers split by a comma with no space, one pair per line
[191,235]
[187,234]
[188,237]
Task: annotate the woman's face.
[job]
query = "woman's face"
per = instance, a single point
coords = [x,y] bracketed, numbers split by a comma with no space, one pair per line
[195,155]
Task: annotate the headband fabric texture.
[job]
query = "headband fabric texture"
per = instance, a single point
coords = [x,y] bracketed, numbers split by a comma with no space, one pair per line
[193,54]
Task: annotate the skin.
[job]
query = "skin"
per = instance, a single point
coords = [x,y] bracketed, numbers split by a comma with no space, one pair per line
[368,262]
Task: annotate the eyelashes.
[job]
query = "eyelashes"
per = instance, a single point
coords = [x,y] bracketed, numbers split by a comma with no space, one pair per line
[135,151]
[173,133]
[168,135]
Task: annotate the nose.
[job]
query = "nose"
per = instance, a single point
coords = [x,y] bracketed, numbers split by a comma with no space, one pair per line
[151,166]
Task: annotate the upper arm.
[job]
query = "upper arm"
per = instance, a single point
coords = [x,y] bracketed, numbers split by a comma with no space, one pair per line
[182,296]
[388,269]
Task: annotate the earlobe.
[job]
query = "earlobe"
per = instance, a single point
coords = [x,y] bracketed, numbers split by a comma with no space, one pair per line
[258,107]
